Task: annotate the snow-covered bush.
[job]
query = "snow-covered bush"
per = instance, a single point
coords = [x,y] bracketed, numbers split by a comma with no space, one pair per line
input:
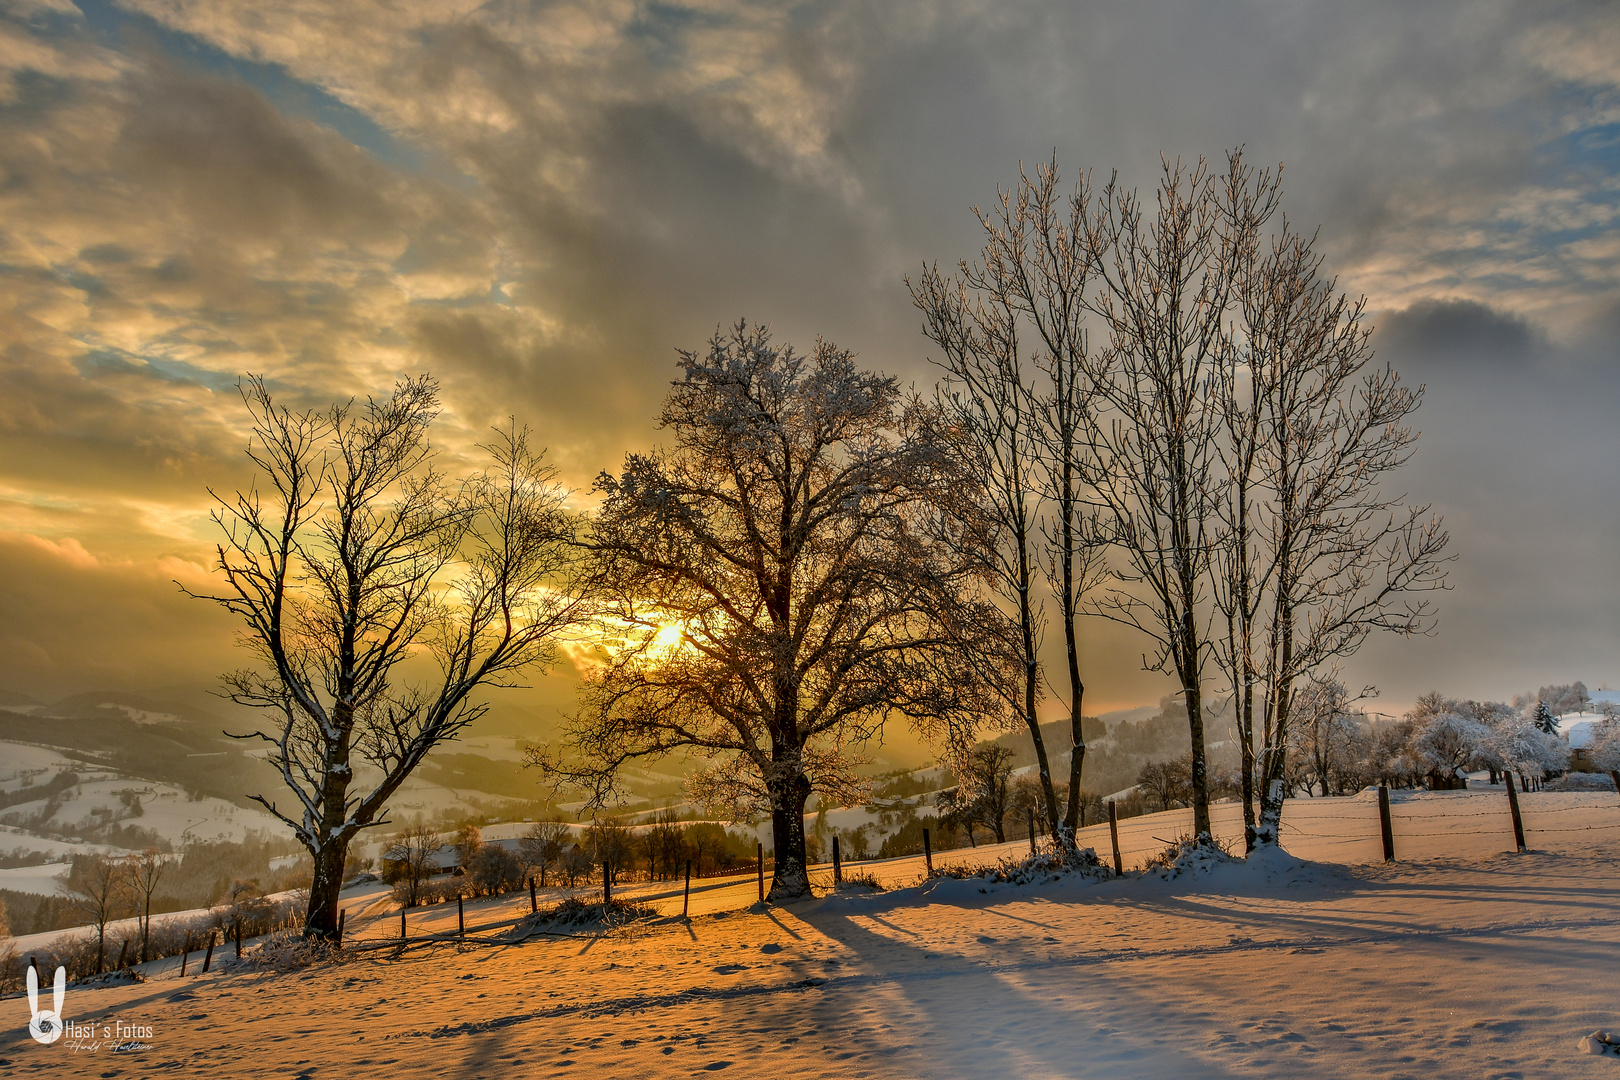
[289,950]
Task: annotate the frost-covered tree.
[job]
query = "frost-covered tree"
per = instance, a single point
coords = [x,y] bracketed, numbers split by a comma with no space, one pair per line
[776,587]
[1604,749]
[1331,740]
[1444,742]
[1542,717]
[352,554]
[1523,746]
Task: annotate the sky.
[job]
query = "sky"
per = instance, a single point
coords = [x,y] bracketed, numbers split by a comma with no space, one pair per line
[539,202]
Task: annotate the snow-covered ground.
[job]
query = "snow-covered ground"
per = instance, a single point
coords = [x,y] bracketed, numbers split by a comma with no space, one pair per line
[103,794]
[1463,959]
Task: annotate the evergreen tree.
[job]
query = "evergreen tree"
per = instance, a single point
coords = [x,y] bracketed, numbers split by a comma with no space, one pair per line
[1542,718]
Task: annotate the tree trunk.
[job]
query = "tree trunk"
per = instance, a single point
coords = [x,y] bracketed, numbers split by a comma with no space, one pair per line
[1195,731]
[789,880]
[321,919]
[1077,754]
[1271,804]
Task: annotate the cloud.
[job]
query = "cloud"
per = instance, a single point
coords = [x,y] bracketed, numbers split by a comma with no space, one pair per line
[540,203]
[1458,332]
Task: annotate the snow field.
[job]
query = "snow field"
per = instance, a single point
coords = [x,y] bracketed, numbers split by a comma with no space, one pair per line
[1497,967]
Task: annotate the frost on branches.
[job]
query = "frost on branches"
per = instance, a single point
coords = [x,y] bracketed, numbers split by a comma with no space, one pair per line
[775,587]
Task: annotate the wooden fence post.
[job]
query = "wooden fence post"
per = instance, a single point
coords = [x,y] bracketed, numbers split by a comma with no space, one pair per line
[184,956]
[928,854]
[123,954]
[1513,805]
[343,917]
[686,897]
[838,865]
[1032,830]
[1615,776]
[534,903]
[402,924]
[461,917]
[607,884]
[761,865]
[1113,835]
[208,957]
[238,938]
[1383,823]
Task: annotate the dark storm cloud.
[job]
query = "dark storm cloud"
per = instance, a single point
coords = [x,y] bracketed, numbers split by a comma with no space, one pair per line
[1457,332]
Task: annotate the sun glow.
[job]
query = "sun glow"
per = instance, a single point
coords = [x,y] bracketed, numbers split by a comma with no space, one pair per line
[668,639]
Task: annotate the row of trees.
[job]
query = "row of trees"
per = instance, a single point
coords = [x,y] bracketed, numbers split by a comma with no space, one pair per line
[1207,469]
[550,851]
[1433,744]
[1164,416]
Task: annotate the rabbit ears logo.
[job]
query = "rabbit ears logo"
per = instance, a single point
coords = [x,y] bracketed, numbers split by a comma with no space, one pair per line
[46,1025]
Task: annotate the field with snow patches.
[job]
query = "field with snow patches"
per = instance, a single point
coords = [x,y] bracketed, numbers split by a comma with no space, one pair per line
[1463,959]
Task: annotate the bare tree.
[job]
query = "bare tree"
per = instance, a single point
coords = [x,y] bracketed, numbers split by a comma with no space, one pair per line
[612,842]
[469,839]
[1165,287]
[990,414]
[413,853]
[358,554]
[1314,555]
[985,788]
[774,588]
[145,871]
[1169,782]
[101,887]
[1025,432]
[543,846]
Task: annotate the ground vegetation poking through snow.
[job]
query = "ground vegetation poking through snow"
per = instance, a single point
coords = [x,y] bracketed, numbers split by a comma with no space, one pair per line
[1046,866]
[868,882]
[290,950]
[1190,855]
[575,911]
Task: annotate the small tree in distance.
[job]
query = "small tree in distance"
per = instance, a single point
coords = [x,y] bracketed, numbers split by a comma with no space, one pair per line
[101,887]
[412,858]
[543,846]
[145,871]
